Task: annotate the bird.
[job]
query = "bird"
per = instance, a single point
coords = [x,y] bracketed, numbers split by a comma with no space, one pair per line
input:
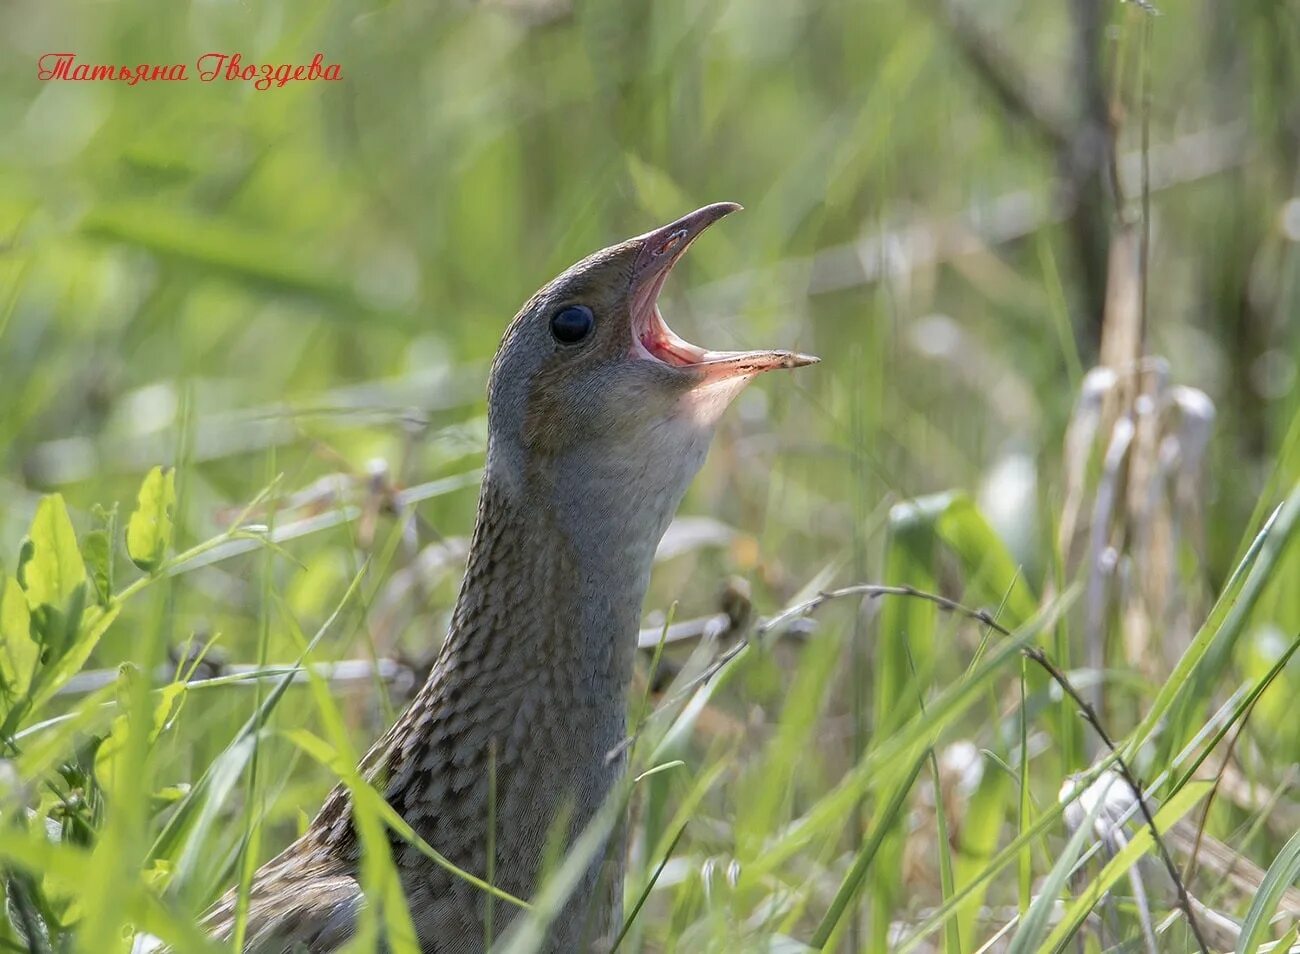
[599,417]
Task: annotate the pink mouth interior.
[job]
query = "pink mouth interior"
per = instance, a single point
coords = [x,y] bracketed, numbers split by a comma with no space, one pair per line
[664,344]
[652,332]
[653,340]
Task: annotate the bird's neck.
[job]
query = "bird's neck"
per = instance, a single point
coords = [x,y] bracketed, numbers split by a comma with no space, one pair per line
[531,681]
[541,643]
[545,591]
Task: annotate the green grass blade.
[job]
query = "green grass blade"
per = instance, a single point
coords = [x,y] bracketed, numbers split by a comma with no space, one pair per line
[1228,617]
[880,826]
[228,765]
[1033,927]
[1281,874]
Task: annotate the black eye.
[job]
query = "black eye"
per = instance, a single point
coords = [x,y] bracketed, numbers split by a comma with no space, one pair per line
[572,323]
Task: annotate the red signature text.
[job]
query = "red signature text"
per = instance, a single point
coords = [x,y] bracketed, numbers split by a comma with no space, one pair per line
[209,68]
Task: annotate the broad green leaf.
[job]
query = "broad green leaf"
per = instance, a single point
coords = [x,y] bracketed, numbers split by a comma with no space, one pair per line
[26,550]
[907,627]
[93,626]
[149,532]
[917,528]
[59,630]
[18,653]
[55,570]
[991,573]
[97,549]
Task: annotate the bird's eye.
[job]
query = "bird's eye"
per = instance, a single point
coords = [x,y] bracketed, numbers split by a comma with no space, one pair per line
[572,324]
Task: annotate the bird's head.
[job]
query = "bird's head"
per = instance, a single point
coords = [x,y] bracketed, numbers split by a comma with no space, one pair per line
[591,386]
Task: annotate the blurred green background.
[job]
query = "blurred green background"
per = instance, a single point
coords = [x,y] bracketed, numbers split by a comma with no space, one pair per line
[309,281]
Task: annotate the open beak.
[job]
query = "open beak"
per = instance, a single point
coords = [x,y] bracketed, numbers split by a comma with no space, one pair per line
[652,338]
